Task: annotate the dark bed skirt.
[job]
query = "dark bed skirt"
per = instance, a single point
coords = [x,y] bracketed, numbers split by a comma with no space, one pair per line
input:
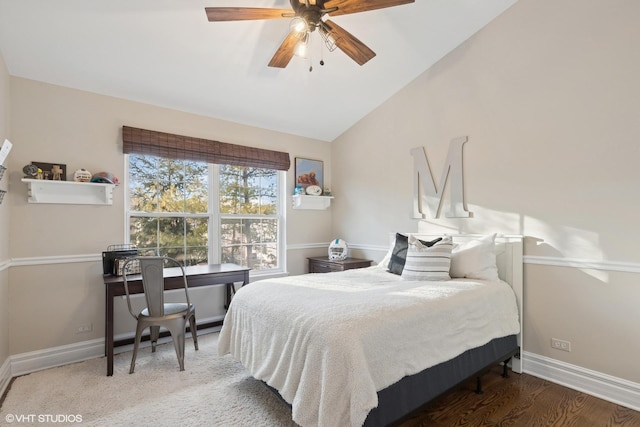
[412,392]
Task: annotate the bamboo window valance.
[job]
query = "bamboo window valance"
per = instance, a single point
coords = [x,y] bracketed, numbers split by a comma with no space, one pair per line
[167,145]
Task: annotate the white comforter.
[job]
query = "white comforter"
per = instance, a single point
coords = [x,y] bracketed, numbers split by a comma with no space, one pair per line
[328,342]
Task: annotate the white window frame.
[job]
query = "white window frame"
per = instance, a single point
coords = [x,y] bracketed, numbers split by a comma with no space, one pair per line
[215,217]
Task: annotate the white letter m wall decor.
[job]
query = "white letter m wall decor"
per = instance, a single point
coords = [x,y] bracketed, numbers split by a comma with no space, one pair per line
[424,188]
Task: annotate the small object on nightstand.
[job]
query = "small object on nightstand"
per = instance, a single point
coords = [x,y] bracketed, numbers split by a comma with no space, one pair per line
[326,265]
[338,250]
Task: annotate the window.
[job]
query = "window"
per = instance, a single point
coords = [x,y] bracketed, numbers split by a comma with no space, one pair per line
[203,213]
[249,220]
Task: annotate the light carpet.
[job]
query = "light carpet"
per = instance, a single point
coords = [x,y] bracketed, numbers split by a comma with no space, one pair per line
[211,391]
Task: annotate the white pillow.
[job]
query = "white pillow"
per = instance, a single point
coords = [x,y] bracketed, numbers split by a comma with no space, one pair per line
[475,259]
[428,262]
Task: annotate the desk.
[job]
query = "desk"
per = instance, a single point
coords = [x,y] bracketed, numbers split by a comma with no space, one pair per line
[197,275]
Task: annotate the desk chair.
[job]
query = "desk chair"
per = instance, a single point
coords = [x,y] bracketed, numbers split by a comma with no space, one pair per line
[172,316]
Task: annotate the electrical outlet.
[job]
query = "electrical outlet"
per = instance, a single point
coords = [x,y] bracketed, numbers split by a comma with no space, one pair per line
[88,327]
[560,344]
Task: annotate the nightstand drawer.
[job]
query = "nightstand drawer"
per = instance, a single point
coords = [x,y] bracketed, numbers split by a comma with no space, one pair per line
[325,265]
[321,267]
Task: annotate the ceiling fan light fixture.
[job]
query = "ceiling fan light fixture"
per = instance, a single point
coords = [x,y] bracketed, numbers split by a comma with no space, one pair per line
[329,40]
[299,25]
[302,46]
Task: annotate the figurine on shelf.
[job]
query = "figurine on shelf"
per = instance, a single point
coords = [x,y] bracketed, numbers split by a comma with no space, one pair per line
[82,175]
[105,178]
[56,172]
[30,171]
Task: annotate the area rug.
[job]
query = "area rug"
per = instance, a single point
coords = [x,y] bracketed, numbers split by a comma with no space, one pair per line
[211,391]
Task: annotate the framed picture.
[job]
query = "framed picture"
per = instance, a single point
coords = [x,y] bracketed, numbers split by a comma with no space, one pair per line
[309,172]
[52,171]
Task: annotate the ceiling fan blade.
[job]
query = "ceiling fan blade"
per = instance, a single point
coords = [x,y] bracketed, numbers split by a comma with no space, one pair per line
[245,13]
[348,43]
[355,6]
[285,52]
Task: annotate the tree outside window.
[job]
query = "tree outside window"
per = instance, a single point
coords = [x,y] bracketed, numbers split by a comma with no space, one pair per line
[249,216]
[169,211]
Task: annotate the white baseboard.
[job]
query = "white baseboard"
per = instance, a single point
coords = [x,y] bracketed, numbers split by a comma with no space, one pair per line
[5,375]
[603,386]
[25,363]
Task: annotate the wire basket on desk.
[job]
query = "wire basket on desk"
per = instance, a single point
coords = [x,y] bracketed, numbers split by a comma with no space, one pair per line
[116,251]
[2,193]
[2,171]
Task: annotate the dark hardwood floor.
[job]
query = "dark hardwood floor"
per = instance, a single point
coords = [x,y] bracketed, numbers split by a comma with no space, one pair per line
[521,401]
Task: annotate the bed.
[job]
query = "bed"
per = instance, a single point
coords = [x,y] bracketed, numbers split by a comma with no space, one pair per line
[367,346]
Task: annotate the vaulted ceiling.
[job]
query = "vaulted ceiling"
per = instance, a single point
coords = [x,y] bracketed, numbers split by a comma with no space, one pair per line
[166,53]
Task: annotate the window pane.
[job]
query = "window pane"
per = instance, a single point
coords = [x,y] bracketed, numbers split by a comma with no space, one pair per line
[231,232]
[183,186]
[196,187]
[269,192]
[142,187]
[254,256]
[262,230]
[170,170]
[166,185]
[248,230]
[171,238]
[196,232]
[250,241]
[266,257]
[233,255]
[197,255]
[246,190]
[175,253]
[143,232]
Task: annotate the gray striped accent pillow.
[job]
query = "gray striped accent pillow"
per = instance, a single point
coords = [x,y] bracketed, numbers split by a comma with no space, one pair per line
[428,263]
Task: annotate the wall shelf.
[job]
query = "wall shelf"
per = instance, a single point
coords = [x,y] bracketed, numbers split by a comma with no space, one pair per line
[301,201]
[69,192]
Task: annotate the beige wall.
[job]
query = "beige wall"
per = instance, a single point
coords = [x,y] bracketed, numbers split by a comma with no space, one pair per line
[548,94]
[4,219]
[55,124]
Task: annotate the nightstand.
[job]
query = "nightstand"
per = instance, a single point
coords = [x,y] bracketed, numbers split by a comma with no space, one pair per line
[325,265]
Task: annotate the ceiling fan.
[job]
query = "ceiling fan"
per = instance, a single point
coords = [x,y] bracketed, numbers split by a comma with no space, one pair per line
[307,16]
